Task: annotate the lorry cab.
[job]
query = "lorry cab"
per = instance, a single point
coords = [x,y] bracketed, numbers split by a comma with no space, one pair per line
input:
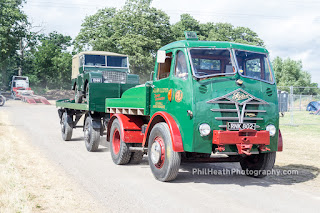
[19,83]
[214,90]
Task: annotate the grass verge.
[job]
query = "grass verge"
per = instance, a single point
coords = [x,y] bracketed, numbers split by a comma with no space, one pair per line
[30,183]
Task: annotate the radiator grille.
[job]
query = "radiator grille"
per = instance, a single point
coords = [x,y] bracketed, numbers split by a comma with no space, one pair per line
[114,77]
[243,109]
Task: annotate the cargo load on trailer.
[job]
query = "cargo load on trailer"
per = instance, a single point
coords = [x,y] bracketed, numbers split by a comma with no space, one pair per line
[208,101]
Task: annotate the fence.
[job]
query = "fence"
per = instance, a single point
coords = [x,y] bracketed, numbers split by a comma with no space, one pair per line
[293,103]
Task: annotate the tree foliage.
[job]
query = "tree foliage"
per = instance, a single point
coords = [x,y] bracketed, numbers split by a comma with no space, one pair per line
[215,31]
[51,63]
[289,72]
[12,29]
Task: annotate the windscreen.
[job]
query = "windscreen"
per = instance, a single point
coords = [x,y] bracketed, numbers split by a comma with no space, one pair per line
[207,62]
[254,65]
[95,60]
[117,61]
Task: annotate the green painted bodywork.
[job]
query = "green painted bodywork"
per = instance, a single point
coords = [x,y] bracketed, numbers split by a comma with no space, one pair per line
[139,97]
[98,92]
[70,104]
[196,94]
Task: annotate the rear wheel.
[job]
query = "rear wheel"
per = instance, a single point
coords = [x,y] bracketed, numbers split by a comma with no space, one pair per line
[119,150]
[2,100]
[163,161]
[66,127]
[91,135]
[258,165]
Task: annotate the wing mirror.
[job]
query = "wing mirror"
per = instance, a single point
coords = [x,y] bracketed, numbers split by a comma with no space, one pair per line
[161,56]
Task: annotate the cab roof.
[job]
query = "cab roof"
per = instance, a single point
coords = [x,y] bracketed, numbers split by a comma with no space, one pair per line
[212,44]
[99,53]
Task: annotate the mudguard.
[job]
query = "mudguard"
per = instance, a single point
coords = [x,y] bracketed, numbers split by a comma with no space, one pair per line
[176,139]
[130,126]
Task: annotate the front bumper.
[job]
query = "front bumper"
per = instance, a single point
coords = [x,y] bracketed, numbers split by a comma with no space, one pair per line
[243,139]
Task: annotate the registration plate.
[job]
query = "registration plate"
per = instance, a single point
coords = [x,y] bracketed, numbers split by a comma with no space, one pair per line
[240,126]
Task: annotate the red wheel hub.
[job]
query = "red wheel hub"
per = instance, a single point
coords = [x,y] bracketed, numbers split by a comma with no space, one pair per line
[116,141]
[158,152]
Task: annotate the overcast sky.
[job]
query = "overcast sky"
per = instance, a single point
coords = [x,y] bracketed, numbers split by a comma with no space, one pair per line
[289,28]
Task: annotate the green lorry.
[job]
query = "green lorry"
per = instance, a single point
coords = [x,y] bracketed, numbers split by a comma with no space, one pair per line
[207,102]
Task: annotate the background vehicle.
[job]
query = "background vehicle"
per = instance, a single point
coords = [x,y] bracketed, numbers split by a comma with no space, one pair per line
[206,98]
[19,83]
[20,89]
[99,67]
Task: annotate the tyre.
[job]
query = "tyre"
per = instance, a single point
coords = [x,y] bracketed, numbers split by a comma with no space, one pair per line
[2,100]
[66,128]
[258,165]
[91,135]
[119,150]
[163,161]
[77,95]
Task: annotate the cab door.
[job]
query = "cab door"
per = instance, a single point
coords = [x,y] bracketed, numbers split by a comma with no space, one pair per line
[180,107]
[161,84]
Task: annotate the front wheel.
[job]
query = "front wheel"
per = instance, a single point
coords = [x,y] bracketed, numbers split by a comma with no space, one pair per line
[91,135]
[258,165]
[66,126]
[119,150]
[163,161]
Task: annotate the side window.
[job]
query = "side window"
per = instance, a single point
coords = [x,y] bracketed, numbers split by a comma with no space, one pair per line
[181,69]
[164,68]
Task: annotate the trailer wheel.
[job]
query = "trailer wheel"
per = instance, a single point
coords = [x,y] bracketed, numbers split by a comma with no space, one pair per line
[66,128]
[2,100]
[163,161]
[91,135]
[258,165]
[119,150]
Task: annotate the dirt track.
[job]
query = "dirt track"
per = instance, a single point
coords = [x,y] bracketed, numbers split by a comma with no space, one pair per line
[133,188]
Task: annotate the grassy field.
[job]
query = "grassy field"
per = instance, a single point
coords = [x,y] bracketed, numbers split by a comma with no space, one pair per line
[301,149]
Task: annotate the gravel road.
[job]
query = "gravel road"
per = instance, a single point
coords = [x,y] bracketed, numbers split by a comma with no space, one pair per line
[133,188]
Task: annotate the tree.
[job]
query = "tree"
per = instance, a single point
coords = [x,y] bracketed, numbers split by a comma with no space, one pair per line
[186,23]
[97,31]
[12,28]
[51,61]
[289,72]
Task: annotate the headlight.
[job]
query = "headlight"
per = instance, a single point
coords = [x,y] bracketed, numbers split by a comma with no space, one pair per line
[272,129]
[204,129]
